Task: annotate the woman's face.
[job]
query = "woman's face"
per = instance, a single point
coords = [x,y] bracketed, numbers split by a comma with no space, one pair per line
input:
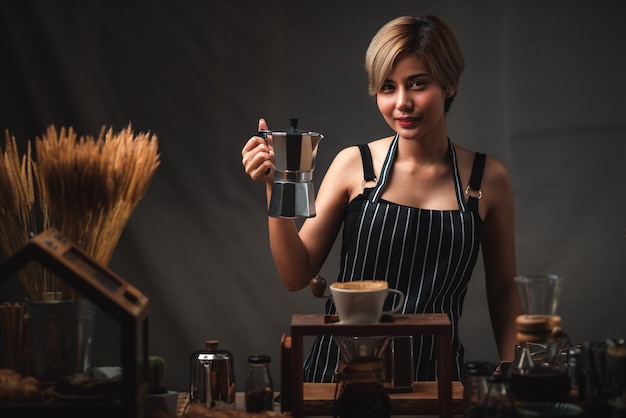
[411,100]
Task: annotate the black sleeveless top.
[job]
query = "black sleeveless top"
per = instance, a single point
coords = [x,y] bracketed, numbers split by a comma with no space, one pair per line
[427,254]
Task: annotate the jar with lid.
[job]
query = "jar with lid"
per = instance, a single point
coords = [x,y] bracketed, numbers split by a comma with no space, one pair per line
[259,389]
[475,387]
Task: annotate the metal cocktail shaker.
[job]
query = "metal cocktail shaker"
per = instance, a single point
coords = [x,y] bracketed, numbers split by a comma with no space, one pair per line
[212,378]
[293,194]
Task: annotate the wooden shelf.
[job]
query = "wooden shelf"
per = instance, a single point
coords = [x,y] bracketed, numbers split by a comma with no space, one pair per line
[438,325]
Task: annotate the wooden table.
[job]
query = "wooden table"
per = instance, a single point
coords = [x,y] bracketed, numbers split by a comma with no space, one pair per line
[422,400]
[320,404]
[438,325]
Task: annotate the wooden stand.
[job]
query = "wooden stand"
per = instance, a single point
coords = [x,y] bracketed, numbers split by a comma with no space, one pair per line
[393,325]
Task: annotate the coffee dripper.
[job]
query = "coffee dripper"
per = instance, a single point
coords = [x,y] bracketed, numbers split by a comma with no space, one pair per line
[293,194]
[360,392]
[539,371]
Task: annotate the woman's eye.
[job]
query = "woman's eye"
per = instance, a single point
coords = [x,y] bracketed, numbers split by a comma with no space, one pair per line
[387,87]
[417,84]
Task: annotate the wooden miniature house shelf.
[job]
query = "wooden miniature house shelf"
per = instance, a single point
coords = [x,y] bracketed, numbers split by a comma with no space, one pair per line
[115,297]
[438,325]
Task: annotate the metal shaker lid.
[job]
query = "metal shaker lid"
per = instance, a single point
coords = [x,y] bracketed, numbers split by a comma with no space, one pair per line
[211,352]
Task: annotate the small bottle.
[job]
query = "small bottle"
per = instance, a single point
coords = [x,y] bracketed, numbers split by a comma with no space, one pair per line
[259,390]
[498,403]
[475,387]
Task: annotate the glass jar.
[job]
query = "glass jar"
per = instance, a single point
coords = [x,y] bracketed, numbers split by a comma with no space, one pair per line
[498,402]
[259,389]
[475,387]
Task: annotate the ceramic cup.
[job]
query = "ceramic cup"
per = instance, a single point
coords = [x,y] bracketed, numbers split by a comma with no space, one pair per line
[361,301]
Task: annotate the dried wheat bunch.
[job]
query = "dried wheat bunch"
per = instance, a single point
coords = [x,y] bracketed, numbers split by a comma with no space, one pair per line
[87,188]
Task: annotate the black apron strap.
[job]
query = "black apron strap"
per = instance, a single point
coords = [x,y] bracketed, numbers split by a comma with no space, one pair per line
[368,167]
[473,190]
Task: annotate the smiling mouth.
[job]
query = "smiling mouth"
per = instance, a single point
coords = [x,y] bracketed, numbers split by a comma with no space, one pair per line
[405,122]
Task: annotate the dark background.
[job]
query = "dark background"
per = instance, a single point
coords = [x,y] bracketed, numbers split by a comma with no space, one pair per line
[543,92]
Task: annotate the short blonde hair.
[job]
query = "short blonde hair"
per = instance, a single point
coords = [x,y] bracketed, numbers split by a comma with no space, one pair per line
[429,38]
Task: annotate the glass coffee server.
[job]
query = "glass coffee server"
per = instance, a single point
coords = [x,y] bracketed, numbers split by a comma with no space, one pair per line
[360,391]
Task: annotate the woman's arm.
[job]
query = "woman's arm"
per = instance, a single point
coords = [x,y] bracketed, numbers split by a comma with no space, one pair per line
[299,255]
[498,247]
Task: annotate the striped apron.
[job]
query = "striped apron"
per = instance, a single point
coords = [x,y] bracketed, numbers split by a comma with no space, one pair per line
[427,254]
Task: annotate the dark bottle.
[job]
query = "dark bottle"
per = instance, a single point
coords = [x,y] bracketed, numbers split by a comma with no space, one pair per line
[363,395]
[259,390]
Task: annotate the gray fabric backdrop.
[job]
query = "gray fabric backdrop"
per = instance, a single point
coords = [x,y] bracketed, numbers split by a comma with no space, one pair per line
[543,91]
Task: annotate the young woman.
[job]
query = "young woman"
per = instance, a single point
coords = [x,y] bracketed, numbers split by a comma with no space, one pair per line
[415,207]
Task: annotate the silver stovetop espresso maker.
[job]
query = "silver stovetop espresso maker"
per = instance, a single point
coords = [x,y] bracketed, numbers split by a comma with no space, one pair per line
[295,150]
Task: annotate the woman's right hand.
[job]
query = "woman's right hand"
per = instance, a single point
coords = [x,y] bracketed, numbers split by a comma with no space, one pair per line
[257,156]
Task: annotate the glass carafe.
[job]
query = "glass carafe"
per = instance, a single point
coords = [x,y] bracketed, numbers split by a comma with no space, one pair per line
[360,392]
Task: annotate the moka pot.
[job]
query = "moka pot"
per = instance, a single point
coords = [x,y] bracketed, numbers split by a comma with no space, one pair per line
[293,194]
